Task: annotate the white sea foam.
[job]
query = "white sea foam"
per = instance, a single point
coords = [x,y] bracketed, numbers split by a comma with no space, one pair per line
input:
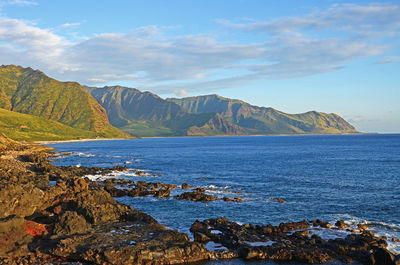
[260,243]
[82,154]
[216,232]
[116,174]
[214,246]
[326,233]
[389,230]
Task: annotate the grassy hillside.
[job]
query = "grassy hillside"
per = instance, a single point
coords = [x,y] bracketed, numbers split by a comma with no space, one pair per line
[29,91]
[27,127]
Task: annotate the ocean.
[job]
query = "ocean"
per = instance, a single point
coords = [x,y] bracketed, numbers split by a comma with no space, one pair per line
[355,178]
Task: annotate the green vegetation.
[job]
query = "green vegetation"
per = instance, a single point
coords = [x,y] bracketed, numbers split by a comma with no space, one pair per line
[146,114]
[29,91]
[27,127]
[36,107]
[260,120]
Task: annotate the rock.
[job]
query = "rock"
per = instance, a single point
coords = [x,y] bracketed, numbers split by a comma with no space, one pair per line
[289,242]
[71,223]
[199,190]
[162,193]
[280,200]
[341,224]
[382,256]
[14,238]
[114,192]
[196,196]
[20,199]
[36,229]
[395,239]
[362,227]
[186,186]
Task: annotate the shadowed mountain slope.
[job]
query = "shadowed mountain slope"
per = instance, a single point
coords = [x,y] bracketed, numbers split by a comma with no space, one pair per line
[261,120]
[146,114]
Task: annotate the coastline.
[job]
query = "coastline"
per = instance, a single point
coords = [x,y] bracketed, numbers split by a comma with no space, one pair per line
[196,136]
[95,215]
[80,140]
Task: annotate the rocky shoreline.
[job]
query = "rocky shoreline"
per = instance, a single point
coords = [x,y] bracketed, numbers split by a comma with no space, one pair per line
[77,220]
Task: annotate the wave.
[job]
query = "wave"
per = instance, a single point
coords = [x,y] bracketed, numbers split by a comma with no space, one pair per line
[82,154]
[388,230]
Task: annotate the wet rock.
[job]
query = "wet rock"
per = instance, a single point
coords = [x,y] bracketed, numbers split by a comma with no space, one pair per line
[280,200]
[291,242]
[114,192]
[395,239]
[341,224]
[236,199]
[162,193]
[362,227]
[196,196]
[186,186]
[382,256]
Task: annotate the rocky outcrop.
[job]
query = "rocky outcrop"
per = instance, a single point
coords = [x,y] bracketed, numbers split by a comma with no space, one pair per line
[69,221]
[196,196]
[295,242]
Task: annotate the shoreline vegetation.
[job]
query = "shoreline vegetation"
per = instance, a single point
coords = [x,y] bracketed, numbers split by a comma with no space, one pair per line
[54,214]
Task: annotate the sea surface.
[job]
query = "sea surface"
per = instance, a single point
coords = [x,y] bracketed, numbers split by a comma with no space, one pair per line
[355,178]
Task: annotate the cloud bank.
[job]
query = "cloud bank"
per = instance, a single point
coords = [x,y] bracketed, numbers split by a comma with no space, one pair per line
[319,42]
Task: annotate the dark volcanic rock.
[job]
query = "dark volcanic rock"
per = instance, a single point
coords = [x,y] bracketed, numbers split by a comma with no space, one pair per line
[293,242]
[196,196]
[77,219]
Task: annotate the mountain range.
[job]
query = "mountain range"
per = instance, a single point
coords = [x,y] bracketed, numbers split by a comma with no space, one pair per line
[34,106]
[146,114]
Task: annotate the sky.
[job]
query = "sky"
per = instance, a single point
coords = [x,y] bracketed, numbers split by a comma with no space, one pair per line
[332,56]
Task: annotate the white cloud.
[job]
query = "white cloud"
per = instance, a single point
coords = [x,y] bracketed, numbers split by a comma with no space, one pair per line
[390,59]
[69,25]
[181,93]
[18,3]
[365,20]
[293,47]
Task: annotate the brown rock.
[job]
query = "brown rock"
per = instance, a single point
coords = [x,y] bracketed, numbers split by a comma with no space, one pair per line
[341,224]
[196,196]
[362,227]
[71,223]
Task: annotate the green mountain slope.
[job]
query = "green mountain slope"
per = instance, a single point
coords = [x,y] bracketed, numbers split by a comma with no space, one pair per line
[29,91]
[260,120]
[27,127]
[146,114]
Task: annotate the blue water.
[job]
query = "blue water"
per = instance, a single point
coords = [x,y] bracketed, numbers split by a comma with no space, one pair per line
[350,177]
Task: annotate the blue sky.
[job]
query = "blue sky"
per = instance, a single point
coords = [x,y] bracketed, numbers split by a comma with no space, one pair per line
[295,56]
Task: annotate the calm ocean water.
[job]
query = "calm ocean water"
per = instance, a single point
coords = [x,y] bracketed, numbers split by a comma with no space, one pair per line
[351,177]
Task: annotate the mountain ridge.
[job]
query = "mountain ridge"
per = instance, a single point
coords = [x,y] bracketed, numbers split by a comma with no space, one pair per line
[265,120]
[209,115]
[32,92]
[96,110]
